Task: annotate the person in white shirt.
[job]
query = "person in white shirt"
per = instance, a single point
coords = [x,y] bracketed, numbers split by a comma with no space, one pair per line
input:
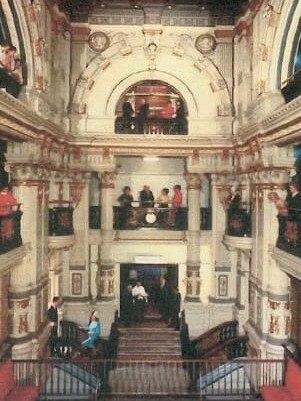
[140,299]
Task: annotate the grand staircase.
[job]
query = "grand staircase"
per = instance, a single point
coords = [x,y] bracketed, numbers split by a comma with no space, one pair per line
[149,343]
[149,360]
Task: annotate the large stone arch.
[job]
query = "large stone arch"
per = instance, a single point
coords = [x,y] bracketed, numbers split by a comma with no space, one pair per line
[101,84]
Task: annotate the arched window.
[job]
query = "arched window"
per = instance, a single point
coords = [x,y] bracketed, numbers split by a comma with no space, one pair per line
[151,107]
[292,89]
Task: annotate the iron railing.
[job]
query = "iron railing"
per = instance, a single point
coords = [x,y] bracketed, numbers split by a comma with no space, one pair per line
[93,379]
[151,126]
[238,223]
[61,221]
[176,219]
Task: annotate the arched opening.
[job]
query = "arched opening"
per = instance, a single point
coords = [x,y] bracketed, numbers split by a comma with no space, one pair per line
[151,107]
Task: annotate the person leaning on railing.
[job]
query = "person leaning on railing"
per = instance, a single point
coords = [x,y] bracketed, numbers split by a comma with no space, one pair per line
[7,201]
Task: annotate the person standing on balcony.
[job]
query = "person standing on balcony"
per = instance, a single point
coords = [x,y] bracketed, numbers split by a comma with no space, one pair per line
[127,114]
[294,201]
[176,204]
[125,201]
[146,197]
[53,321]
[7,201]
[168,111]
[142,115]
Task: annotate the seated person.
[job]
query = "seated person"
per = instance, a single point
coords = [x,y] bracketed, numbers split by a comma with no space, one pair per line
[94,331]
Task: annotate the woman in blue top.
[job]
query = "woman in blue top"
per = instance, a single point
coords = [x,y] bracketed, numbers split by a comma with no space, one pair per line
[93,330]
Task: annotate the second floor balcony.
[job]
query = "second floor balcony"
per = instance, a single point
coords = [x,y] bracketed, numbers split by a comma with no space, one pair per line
[289,236]
[61,220]
[238,223]
[10,229]
[137,217]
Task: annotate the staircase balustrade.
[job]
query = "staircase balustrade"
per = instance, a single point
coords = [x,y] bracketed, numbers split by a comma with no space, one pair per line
[216,336]
[93,379]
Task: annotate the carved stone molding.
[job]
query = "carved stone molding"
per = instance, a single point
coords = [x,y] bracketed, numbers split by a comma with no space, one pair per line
[61,242]
[288,263]
[11,259]
[242,243]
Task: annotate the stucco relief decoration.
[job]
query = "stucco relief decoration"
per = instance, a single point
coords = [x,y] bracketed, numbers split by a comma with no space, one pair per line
[224,194]
[271,15]
[152,50]
[205,44]
[76,190]
[193,284]
[77,283]
[107,179]
[280,319]
[107,282]
[193,181]
[98,42]
[23,316]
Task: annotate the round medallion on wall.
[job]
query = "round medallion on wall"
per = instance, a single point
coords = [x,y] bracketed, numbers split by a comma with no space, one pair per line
[205,43]
[98,42]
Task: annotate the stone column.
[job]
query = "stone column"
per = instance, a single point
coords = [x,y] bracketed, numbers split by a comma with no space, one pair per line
[29,279]
[106,274]
[193,280]
[269,284]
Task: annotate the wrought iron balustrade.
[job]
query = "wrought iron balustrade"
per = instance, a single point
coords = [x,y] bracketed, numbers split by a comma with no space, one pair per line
[238,223]
[10,230]
[289,235]
[154,217]
[92,379]
[151,126]
[61,221]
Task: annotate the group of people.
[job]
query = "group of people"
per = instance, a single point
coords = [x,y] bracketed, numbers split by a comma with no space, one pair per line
[289,213]
[10,69]
[165,298]
[141,116]
[167,207]
[147,199]
[93,330]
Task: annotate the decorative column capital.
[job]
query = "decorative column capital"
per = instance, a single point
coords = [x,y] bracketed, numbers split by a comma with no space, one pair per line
[193,181]
[108,179]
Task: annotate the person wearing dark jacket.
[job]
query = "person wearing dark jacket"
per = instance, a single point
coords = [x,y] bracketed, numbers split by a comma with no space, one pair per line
[52,315]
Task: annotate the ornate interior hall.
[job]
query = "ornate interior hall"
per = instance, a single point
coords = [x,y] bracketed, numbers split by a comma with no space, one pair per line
[154,141]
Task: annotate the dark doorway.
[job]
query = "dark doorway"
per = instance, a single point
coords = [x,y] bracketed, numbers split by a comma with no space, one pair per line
[149,275]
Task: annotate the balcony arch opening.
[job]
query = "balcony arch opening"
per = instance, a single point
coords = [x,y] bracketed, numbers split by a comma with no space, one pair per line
[151,107]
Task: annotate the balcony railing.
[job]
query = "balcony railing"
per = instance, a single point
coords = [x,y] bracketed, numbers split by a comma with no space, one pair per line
[152,126]
[122,219]
[10,230]
[61,221]
[238,223]
[155,217]
[91,379]
[289,237]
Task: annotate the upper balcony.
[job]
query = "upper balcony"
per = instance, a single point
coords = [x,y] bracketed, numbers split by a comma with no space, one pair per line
[61,231]
[152,126]
[10,228]
[137,217]
[289,236]
[238,223]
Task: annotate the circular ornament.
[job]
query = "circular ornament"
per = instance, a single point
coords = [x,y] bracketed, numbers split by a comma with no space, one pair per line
[98,42]
[150,217]
[205,43]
